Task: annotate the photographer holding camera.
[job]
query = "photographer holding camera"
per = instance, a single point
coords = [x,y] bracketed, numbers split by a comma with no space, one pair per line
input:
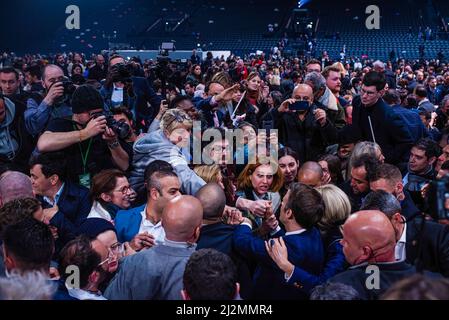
[55,104]
[122,88]
[91,137]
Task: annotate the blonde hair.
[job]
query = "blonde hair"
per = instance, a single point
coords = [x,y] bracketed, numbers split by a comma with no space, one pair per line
[208,173]
[339,65]
[174,119]
[222,78]
[337,206]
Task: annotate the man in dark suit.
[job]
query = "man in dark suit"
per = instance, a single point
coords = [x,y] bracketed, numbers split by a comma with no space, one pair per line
[388,178]
[374,120]
[212,108]
[65,204]
[369,246]
[218,235]
[424,243]
[301,209]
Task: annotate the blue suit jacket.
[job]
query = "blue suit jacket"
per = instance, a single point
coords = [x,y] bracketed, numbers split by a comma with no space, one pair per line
[127,223]
[217,236]
[205,108]
[74,206]
[335,263]
[413,121]
[304,250]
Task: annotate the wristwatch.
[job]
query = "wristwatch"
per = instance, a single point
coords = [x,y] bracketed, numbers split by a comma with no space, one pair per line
[114,144]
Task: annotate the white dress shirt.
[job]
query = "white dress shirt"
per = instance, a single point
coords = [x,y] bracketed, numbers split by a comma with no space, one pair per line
[399,250]
[84,295]
[117,95]
[154,229]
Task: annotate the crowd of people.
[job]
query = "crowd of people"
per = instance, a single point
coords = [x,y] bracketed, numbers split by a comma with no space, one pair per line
[223,179]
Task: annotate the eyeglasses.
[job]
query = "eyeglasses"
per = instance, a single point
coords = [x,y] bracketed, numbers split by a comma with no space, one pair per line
[115,252]
[124,190]
[117,248]
[368,93]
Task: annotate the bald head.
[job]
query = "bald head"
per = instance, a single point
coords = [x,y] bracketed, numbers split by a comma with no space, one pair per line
[368,236]
[181,217]
[301,91]
[14,185]
[213,200]
[310,174]
[51,70]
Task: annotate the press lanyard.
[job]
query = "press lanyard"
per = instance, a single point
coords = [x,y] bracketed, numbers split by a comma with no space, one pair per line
[84,156]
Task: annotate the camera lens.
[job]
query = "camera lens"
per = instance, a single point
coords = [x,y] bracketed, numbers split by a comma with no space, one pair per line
[122,129]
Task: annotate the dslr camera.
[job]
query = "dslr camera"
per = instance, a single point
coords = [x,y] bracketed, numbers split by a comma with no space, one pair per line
[69,87]
[122,72]
[121,129]
[439,199]
[69,90]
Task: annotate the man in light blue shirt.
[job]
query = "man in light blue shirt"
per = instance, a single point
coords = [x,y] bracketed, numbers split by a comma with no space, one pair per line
[54,105]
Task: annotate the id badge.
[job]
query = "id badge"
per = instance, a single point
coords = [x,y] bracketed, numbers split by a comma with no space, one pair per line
[85,180]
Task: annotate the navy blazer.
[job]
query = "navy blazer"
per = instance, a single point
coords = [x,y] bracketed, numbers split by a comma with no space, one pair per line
[219,236]
[434,238]
[127,223]
[304,250]
[205,108]
[74,206]
[409,209]
[334,264]
[413,122]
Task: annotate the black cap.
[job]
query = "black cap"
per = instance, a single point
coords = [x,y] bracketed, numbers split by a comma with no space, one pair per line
[92,227]
[86,98]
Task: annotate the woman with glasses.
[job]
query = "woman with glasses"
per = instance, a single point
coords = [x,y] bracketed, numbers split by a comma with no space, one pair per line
[104,231]
[171,144]
[110,193]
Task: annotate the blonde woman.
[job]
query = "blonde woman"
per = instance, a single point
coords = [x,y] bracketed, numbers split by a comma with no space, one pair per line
[166,144]
[210,173]
[337,210]
[213,173]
